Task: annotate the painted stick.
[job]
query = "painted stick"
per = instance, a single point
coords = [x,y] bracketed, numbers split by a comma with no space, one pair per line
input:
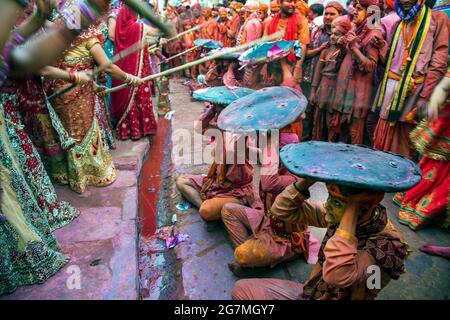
[246,46]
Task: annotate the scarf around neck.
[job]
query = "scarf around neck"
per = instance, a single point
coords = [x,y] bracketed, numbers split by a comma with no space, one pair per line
[412,14]
[291,31]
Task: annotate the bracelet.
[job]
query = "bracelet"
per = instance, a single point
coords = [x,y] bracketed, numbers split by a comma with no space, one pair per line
[18,39]
[68,15]
[72,77]
[87,12]
[345,234]
[71,14]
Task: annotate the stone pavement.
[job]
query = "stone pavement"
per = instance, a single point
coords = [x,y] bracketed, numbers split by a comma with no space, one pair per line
[102,241]
[202,261]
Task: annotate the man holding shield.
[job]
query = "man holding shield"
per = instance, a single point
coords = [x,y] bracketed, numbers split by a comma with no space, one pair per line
[360,239]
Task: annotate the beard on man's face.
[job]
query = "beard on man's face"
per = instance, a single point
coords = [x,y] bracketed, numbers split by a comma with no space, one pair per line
[407,5]
[288,10]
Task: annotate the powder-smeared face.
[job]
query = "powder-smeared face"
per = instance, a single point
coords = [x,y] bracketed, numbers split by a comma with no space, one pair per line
[335,35]
[262,15]
[335,209]
[360,14]
[406,5]
[288,7]
[329,15]
[223,15]
[197,13]
[243,14]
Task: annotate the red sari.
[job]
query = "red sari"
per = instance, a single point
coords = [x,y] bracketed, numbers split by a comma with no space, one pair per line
[132,107]
[429,200]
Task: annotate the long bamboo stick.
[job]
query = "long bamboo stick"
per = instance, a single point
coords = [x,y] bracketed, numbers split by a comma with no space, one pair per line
[216,55]
[180,34]
[121,55]
[186,51]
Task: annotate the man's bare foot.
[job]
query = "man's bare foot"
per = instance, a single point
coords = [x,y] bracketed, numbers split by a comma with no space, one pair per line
[436,250]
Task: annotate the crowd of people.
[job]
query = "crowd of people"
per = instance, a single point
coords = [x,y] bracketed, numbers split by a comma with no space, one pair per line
[374,77]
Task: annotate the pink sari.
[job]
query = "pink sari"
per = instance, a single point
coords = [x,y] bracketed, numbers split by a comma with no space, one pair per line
[132,107]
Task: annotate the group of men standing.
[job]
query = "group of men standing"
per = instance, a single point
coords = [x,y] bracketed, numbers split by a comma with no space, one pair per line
[370,99]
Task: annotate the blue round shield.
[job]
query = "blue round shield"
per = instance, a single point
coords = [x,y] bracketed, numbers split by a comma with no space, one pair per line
[267,52]
[208,43]
[265,109]
[350,165]
[221,95]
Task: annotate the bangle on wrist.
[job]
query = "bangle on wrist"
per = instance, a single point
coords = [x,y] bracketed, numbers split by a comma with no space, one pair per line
[85,9]
[18,39]
[345,234]
[72,78]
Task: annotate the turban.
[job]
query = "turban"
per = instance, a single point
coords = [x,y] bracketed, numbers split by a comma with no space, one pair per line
[274,5]
[196,6]
[263,7]
[390,4]
[336,5]
[342,24]
[367,3]
[302,7]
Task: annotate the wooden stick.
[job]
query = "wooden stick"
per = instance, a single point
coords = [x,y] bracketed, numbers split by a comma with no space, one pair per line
[181,34]
[186,51]
[123,54]
[214,56]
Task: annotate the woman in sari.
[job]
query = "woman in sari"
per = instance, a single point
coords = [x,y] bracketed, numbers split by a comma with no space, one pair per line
[428,201]
[82,114]
[29,208]
[109,31]
[132,108]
